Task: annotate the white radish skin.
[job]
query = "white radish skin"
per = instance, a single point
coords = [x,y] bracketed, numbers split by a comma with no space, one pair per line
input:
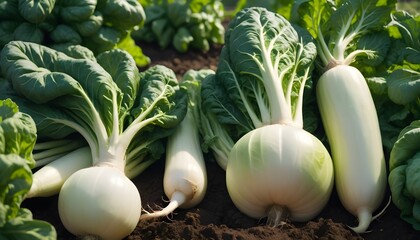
[279,171]
[185,177]
[47,181]
[99,202]
[351,124]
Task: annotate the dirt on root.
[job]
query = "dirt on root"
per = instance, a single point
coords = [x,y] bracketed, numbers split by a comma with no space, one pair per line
[216,217]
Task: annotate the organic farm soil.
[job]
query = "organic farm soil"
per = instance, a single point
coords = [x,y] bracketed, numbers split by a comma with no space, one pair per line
[216,217]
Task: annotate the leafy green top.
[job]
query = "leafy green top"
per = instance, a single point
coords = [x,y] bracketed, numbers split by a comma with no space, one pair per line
[17,139]
[106,100]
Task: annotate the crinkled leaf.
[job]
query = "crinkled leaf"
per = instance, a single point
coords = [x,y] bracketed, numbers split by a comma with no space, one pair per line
[28,32]
[75,51]
[36,11]
[15,181]
[18,131]
[123,15]
[80,86]
[160,99]
[75,10]
[65,34]
[404,183]
[90,26]
[255,67]
[413,176]
[220,99]
[106,38]
[23,227]
[407,145]
[401,199]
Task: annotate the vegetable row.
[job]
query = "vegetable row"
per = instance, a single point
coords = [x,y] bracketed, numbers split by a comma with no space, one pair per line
[182,24]
[298,105]
[97,24]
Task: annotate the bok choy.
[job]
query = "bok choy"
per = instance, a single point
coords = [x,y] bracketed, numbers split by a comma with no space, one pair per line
[118,111]
[275,168]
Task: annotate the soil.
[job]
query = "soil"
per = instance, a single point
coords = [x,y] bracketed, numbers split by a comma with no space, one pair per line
[216,217]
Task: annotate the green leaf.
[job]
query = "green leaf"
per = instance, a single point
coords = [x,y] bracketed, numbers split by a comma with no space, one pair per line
[7,29]
[153,12]
[178,13]
[18,131]
[182,40]
[15,181]
[44,116]
[28,32]
[75,51]
[65,34]
[404,177]
[90,26]
[72,11]
[404,86]
[106,38]
[157,96]
[163,31]
[123,15]
[36,11]
[379,43]
[77,85]
[406,146]
[216,98]
[339,25]
[24,227]
[124,72]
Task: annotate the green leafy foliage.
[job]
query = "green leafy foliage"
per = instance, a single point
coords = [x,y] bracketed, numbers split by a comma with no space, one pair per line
[183,24]
[404,177]
[17,139]
[98,25]
[394,82]
[106,100]
[263,69]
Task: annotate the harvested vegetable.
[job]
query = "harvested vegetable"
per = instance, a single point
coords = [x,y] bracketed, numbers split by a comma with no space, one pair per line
[276,169]
[185,176]
[110,104]
[348,112]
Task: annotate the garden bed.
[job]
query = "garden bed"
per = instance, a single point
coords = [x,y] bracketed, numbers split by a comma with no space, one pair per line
[216,217]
